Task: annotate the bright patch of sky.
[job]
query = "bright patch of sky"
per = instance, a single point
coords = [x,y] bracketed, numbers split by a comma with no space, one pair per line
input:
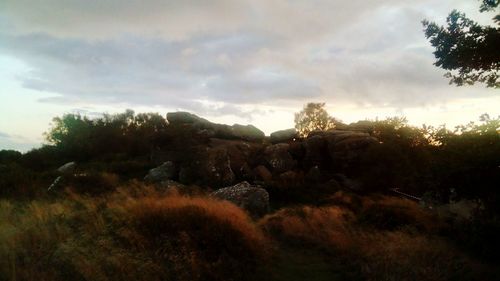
[231,62]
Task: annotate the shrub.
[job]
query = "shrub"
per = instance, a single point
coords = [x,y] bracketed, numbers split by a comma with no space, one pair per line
[310,225]
[212,240]
[391,213]
[93,183]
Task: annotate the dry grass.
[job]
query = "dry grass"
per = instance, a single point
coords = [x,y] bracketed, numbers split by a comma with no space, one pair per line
[323,227]
[133,234]
[403,247]
[140,233]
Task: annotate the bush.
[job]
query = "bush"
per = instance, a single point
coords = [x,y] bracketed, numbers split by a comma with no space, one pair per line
[390,213]
[211,240]
[314,226]
[93,183]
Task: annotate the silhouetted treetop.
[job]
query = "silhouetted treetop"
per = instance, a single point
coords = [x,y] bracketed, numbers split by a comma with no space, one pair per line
[312,118]
[469,51]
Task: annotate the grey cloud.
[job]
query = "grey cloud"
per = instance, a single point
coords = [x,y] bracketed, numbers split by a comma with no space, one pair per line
[4,135]
[232,54]
[149,71]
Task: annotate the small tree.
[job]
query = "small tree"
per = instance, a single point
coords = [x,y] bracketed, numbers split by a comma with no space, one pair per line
[313,118]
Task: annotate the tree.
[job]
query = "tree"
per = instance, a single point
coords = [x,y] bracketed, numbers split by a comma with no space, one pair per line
[312,118]
[466,49]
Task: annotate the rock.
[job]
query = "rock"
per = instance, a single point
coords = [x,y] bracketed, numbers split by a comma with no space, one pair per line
[296,149]
[240,153]
[348,183]
[289,178]
[278,158]
[333,185]
[67,169]
[246,172]
[186,175]
[316,151]
[283,135]
[182,117]
[248,132]
[314,174]
[216,168]
[253,199]
[165,171]
[262,173]
[346,146]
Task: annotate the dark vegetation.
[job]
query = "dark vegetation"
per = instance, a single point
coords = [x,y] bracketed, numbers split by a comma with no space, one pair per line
[333,214]
[466,49]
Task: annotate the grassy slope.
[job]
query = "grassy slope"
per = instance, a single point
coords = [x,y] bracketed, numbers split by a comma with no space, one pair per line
[138,233]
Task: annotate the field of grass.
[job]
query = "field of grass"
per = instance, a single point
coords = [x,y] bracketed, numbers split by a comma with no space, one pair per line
[140,233]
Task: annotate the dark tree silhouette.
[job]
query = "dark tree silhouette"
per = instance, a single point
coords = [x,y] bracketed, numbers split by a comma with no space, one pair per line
[469,51]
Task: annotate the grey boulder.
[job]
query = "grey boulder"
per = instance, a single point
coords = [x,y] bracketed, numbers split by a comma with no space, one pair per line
[254,199]
[283,135]
[165,171]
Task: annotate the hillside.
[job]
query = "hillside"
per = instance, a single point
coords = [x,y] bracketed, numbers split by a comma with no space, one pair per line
[142,197]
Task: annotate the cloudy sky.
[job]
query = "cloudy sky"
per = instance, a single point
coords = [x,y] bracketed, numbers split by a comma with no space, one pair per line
[229,61]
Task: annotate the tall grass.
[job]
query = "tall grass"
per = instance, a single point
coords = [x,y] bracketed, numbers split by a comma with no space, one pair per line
[378,238]
[135,234]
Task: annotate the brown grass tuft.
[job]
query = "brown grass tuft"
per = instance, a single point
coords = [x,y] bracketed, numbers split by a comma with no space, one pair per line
[135,233]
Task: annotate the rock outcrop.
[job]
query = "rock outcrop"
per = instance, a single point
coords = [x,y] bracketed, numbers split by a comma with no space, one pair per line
[165,171]
[252,198]
[248,132]
[278,158]
[217,155]
[181,117]
[283,136]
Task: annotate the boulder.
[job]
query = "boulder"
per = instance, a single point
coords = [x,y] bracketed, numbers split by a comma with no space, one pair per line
[316,151]
[67,169]
[289,179]
[348,183]
[240,153]
[216,168]
[182,117]
[278,158]
[314,174]
[252,198]
[187,174]
[283,135]
[262,173]
[165,171]
[346,146]
[248,132]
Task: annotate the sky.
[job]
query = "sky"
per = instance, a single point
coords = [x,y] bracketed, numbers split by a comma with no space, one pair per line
[248,62]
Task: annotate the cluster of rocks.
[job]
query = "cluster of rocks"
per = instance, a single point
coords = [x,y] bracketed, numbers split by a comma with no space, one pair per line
[217,156]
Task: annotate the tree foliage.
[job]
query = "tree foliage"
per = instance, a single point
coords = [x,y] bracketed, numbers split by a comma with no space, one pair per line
[313,117]
[467,50]
[80,137]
